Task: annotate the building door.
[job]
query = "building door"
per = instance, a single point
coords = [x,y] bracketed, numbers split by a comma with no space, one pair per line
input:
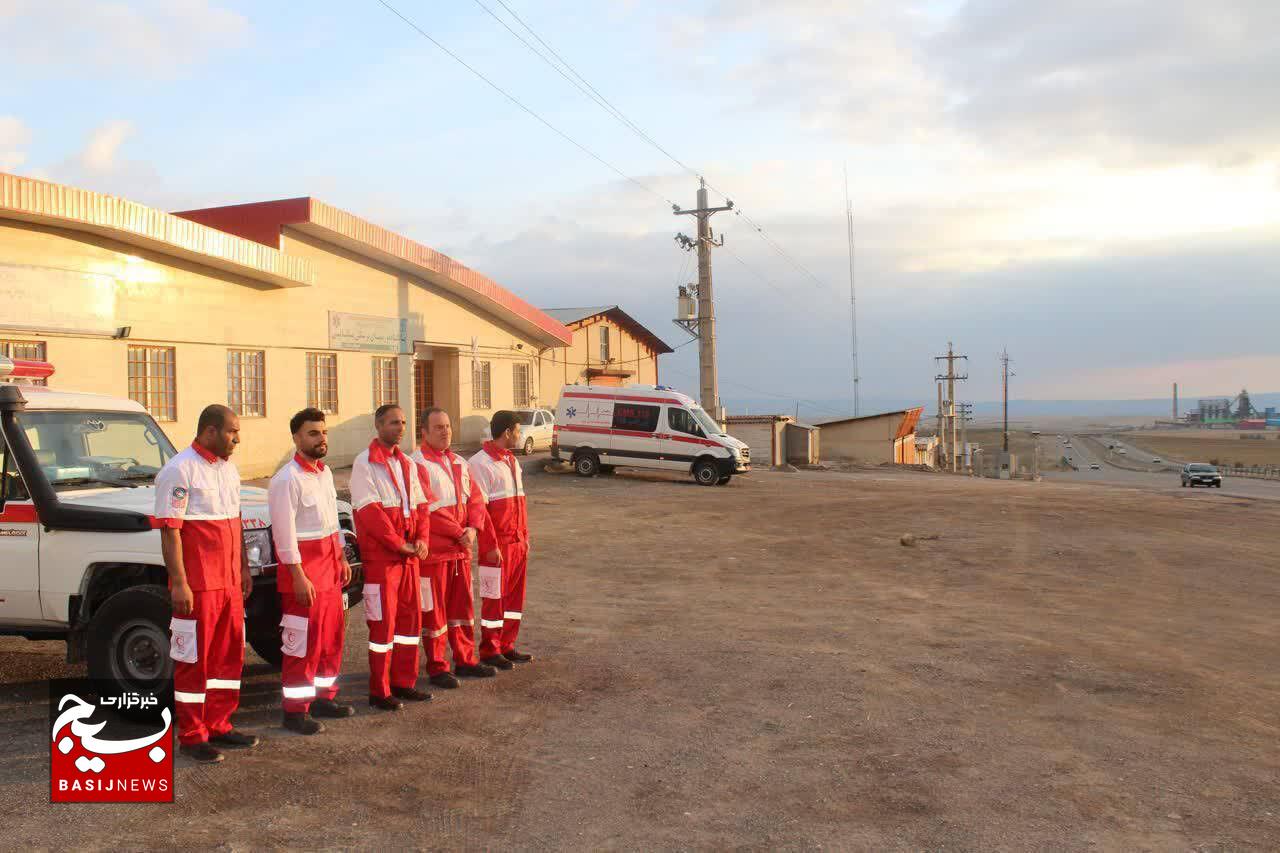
[424,392]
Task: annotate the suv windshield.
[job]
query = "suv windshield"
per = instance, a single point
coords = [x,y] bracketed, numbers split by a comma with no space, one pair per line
[77,449]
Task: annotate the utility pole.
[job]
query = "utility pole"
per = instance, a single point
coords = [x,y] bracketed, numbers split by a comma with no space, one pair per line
[1004,360]
[966,415]
[942,435]
[709,383]
[951,378]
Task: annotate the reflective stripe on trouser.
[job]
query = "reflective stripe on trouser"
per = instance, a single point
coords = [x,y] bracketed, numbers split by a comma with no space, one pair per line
[207,689]
[394,640]
[453,615]
[500,617]
[314,674]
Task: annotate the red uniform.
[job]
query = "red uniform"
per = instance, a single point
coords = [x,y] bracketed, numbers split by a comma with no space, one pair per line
[199,494]
[304,528]
[388,501]
[456,504]
[501,591]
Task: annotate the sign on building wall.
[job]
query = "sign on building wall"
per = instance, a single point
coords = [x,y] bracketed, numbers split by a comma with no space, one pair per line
[368,333]
[53,298]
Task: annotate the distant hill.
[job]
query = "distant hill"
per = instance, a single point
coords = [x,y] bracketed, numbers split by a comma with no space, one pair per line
[818,410]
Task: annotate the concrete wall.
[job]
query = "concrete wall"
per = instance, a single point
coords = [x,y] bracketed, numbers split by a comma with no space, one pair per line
[766,439]
[203,312]
[568,365]
[803,446]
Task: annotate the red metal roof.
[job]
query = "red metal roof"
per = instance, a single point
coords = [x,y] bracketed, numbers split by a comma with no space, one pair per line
[134,224]
[262,222]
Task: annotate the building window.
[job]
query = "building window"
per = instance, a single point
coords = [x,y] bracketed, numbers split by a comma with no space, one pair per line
[386,381]
[480,398]
[322,381]
[152,381]
[247,382]
[30,350]
[635,418]
[520,385]
[604,344]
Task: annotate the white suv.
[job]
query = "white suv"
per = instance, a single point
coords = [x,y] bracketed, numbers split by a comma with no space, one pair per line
[80,558]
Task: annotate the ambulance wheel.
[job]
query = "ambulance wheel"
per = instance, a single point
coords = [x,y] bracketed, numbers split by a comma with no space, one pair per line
[262,625]
[586,465]
[724,481]
[705,473]
[528,447]
[127,641]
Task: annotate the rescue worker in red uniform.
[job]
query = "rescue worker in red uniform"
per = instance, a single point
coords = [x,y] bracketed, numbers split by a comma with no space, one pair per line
[312,572]
[198,510]
[504,543]
[389,507]
[456,514]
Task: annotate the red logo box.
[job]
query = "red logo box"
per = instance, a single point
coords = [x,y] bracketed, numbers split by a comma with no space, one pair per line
[109,745]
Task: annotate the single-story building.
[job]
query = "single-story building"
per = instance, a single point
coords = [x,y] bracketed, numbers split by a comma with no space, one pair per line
[268,307]
[609,347]
[888,437]
[764,434]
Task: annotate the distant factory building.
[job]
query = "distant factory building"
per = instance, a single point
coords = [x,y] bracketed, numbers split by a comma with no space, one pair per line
[609,347]
[267,307]
[889,437]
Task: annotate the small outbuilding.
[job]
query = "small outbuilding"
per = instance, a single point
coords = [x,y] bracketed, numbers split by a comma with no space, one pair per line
[889,437]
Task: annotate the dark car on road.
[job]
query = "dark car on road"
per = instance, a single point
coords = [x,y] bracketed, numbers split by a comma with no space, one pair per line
[1200,474]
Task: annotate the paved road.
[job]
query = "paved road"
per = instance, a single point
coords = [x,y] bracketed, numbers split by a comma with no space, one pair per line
[1084,452]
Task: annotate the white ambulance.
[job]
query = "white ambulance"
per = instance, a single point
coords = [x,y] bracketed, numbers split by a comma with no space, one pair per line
[79,548]
[643,426]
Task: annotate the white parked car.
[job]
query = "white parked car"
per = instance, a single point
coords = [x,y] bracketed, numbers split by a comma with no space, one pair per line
[644,426]
[78,546]
[535,428]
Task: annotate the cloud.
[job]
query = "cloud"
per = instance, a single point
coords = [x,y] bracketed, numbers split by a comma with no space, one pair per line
[157,38]
[99,154]
[14,138]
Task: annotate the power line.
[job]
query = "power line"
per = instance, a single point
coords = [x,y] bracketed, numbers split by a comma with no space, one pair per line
[585,87]
[770,394]
[513,99]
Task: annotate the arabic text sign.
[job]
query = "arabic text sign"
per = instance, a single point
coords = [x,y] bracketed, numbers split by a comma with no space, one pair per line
[55,298]
[368,333]
[98,754]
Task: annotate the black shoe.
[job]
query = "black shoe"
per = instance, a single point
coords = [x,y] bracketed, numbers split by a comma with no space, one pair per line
[202,752]
[331,709]
[445,681]
[410,694]
[234,739]
[385,703]
[302,723]
[474,670]
[499,661]
[517,657]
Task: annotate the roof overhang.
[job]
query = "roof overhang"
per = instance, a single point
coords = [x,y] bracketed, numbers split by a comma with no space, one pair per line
[631,324]
[58,206]
[263,222]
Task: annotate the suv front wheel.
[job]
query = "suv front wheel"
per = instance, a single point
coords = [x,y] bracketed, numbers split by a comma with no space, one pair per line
[128,639]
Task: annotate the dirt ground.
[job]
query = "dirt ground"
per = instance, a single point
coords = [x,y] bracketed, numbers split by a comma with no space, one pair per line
[1069,667]
[1221,451]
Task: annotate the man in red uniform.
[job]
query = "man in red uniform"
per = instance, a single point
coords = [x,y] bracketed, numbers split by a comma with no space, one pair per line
[457,512]
[198,509]
[388,501]
[312,572]
[504,543]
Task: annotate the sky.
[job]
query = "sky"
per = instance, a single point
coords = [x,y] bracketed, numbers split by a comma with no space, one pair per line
[1094,185]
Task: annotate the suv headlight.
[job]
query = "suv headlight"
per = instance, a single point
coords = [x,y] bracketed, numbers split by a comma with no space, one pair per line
[257,549]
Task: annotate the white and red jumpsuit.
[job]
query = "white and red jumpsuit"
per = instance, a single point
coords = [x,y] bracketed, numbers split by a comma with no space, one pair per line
[304,528]
[448,608]
[497,473]
[389,507]
[199,494]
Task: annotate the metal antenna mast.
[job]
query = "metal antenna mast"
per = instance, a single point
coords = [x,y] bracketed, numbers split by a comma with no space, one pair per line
[853,293]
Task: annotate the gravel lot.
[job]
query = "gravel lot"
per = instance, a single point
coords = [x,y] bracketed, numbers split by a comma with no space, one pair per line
[765,666]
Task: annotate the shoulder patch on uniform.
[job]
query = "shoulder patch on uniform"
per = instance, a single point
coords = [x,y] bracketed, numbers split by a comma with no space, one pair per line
[179,495]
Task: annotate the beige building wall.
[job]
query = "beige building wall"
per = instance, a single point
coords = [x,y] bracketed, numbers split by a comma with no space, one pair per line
[568,365]
[866,440]
[202,313]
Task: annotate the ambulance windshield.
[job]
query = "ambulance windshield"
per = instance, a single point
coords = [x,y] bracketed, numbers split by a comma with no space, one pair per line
[79,449]
[709,426]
